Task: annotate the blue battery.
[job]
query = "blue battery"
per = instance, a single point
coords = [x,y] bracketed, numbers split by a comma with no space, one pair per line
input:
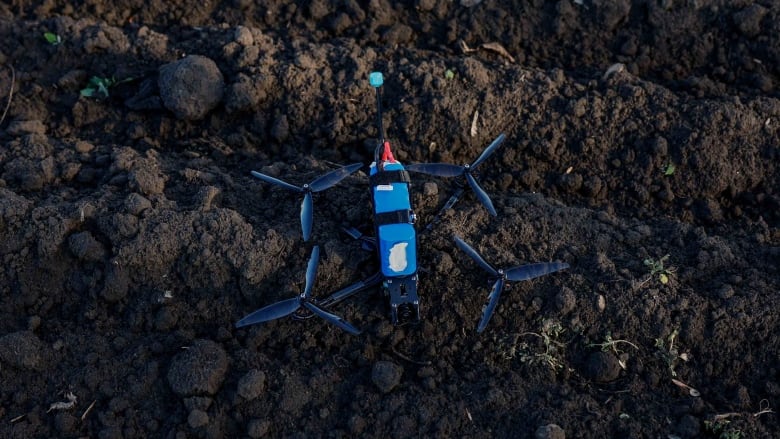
[397,242]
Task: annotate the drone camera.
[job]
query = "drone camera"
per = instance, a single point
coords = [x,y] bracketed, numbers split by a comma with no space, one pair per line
[404,303]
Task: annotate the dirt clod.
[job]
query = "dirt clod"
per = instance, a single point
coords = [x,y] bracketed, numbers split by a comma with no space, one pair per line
[251,385]
[550,431]
[191,87]
[199,369]
[23,350]
[386,375]
[602,367]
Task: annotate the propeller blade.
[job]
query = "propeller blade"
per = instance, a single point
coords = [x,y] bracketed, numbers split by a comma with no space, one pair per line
[276,181]
[332,318]
[489,150]
[490,306]
[333,177]
[481,194]
[437,169]
[307,217]
[271,312]
[311,271]
[475,256]
[531,271]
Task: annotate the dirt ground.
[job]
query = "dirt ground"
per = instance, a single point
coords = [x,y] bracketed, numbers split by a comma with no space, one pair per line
[642,148]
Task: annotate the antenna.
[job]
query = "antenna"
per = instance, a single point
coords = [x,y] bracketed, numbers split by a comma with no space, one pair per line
[376,80]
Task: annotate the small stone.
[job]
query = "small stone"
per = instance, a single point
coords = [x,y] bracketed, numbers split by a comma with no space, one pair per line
[386,375]
[601,303]
[550,431]
[197,418]
[251,385]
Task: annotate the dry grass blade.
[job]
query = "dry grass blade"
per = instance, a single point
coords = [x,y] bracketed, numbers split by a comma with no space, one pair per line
[10,94]
[499,49]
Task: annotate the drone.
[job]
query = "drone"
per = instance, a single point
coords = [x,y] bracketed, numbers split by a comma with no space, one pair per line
[395,237]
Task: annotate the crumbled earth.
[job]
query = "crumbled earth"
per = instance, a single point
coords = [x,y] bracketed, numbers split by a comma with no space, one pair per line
[642,148]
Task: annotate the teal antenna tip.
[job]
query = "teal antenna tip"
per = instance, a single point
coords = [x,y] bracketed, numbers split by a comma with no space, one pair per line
[376,79]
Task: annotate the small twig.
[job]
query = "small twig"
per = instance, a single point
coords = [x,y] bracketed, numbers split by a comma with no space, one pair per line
[18,418]
[404,357]
[10,93]
[89,409]
[763,408]
[691,391]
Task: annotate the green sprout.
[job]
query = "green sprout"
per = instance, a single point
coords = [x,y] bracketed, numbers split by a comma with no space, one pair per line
[669,169]
[449,74]
[98,86]
[532,355]
[657,268]
[721,429]
[610,343]
[669,352]
[52,38]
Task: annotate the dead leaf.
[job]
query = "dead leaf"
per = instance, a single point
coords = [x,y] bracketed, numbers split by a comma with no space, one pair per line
[64,405]
[474,123]
[499,49]
[465,47]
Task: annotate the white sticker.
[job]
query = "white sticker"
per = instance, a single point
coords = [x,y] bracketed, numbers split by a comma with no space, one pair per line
[384,187]
[398,260]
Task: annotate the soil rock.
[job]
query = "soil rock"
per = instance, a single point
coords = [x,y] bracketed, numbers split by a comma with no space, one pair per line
[85,247]
[199,369]
[550,431]
[602,367]
[23,350]
[197,418]
[22,127]
[191,87]
[136,203]
[386,375]
[748,20]
[251,385]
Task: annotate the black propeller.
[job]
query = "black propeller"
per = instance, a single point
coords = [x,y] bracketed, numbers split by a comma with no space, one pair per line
[523,272]
[448,170]
[320,184]
[289,306]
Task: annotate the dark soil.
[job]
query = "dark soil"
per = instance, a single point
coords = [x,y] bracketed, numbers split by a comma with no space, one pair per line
[133,236]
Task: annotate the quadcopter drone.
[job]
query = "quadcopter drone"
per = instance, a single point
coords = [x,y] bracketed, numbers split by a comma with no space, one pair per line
[395,240]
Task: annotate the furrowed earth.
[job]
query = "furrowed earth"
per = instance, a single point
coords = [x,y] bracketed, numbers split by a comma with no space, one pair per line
[642,149]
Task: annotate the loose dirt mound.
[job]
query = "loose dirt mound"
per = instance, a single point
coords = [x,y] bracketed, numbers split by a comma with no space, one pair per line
[134,237]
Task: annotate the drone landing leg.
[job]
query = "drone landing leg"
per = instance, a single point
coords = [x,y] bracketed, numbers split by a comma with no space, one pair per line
[448,205]
[349,291]
[368,243]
